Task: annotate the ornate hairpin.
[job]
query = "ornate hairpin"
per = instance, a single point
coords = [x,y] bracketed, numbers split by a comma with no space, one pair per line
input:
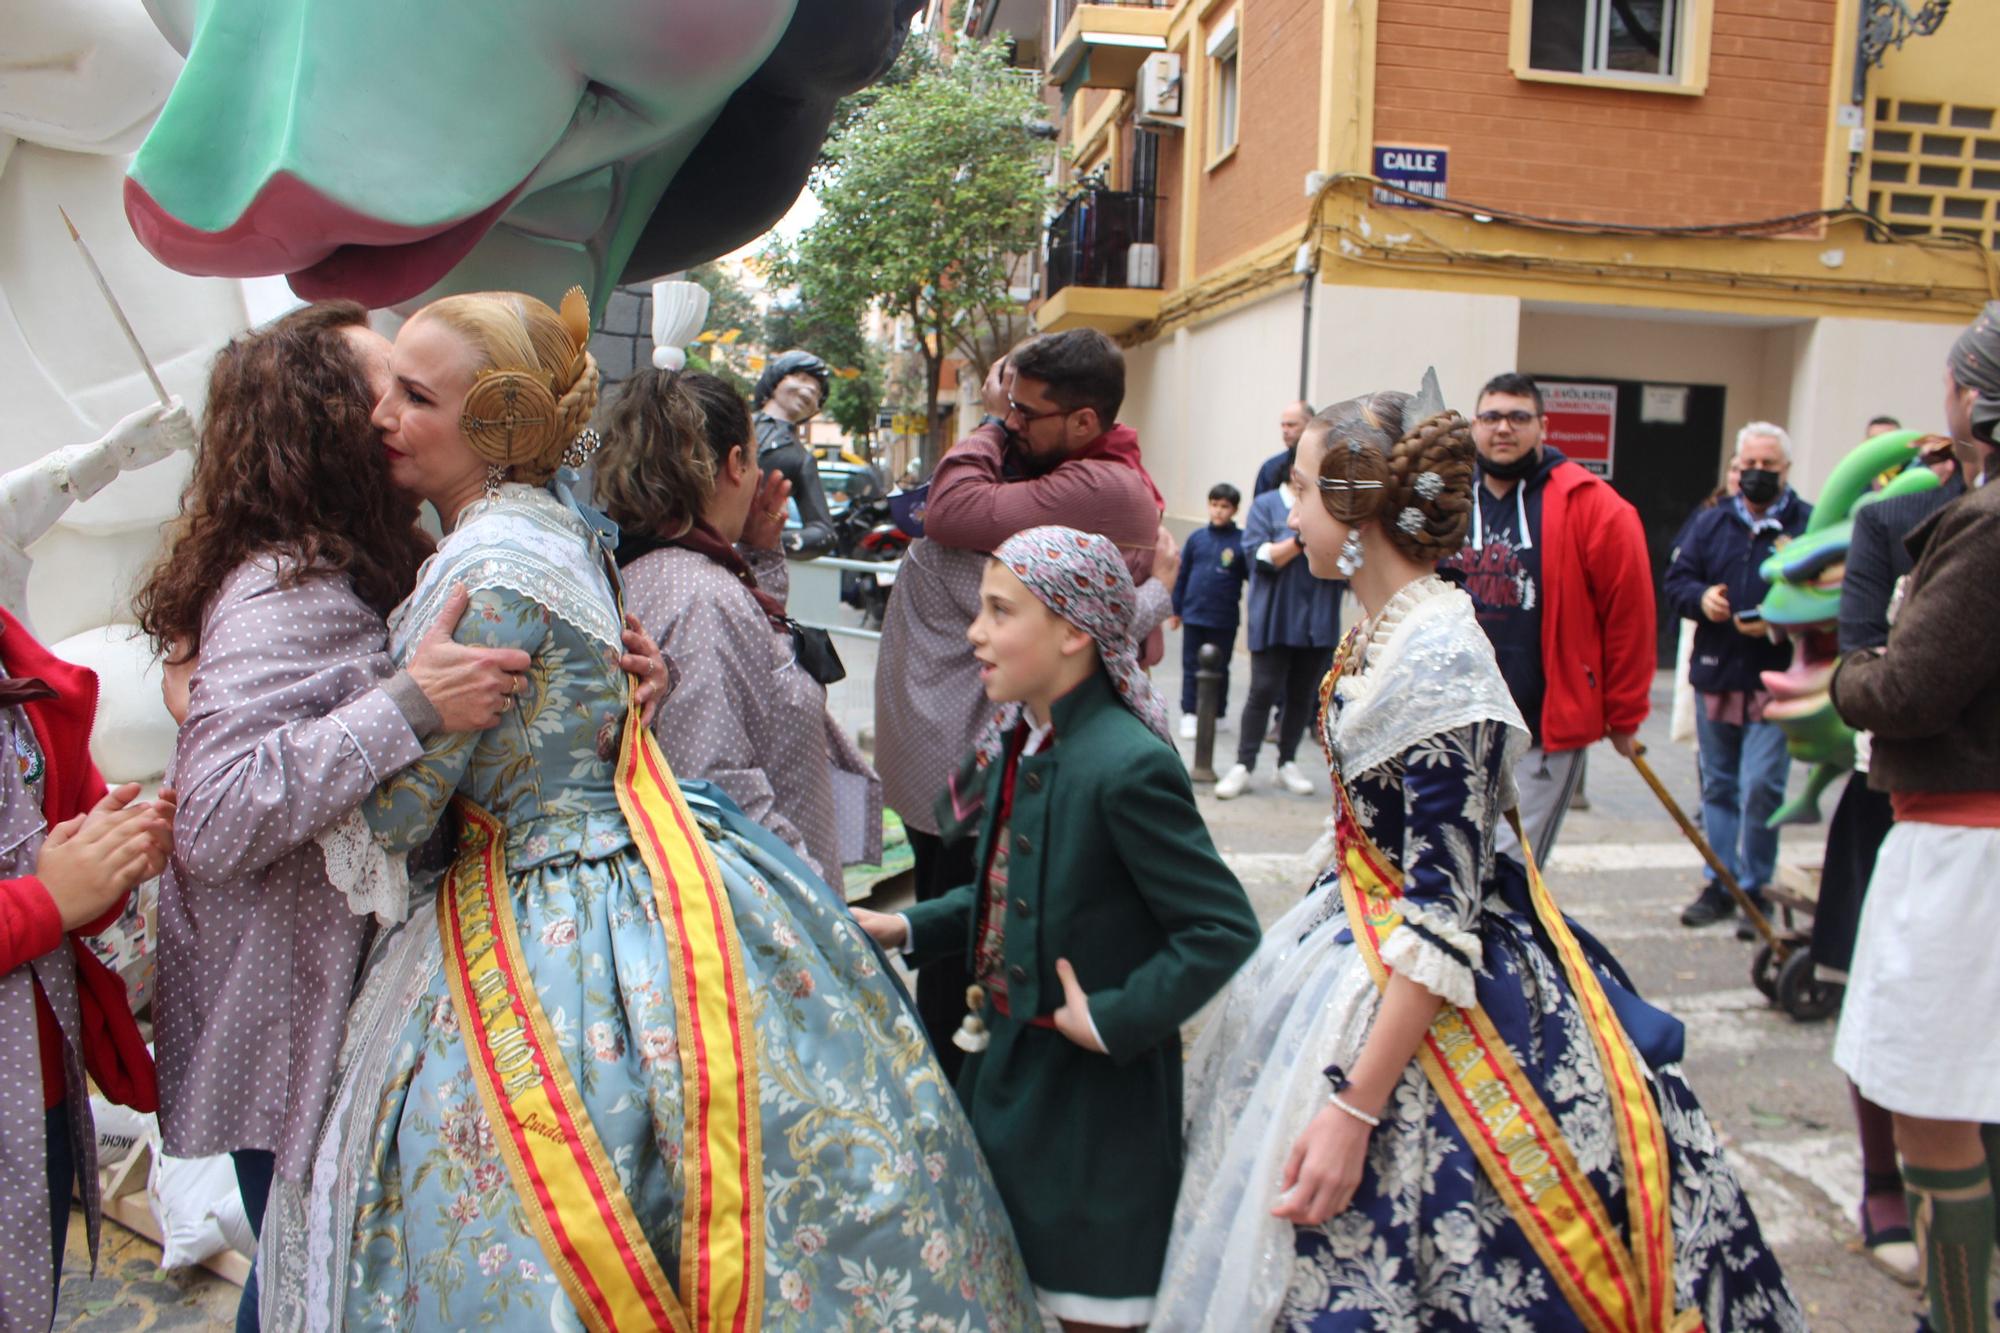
[1340,484]
[580,449]
[1411,520]
[1430,485]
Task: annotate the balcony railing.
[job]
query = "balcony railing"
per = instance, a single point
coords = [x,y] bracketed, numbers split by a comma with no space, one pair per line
[1092,242]
[1064,9]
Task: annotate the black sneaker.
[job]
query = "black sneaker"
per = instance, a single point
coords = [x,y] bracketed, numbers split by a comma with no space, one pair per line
[1708,909]
[1744,929]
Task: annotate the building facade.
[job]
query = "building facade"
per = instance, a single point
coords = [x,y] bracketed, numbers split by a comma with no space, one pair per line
[1684,212]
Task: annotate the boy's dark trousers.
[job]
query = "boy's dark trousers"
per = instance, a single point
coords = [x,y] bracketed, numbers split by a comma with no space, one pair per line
[1193,638]
[941,867]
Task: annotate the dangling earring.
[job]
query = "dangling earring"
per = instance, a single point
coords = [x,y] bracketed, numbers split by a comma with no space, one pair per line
[1349,560]
[495,474]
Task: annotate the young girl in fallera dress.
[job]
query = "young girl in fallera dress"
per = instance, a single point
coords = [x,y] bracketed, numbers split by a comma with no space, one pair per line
[1417,1106]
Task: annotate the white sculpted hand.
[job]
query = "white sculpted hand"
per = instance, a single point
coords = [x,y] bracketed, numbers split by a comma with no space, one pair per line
[152,433]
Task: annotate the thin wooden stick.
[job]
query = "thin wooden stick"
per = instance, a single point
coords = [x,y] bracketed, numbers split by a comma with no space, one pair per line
[1779,950]
[117,311]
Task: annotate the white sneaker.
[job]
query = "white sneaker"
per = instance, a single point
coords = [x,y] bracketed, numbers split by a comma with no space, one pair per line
[1233,783]
[1187,726]
[1297,783]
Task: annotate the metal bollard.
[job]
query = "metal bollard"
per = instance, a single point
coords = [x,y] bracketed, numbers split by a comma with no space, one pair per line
[1208,700]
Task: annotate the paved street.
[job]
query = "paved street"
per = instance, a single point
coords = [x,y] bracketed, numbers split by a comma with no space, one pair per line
[1622,870]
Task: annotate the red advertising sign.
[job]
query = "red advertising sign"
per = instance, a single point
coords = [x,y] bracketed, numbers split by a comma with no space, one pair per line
[1581,420]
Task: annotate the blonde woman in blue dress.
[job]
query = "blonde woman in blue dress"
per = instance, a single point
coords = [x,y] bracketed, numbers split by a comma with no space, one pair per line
[632,1065]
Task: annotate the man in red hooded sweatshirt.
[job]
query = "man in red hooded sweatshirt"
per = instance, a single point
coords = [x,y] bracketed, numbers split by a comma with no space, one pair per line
[1050,451]
[70,852]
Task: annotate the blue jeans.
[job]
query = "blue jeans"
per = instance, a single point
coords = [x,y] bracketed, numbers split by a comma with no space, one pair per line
[62,1181]
[1743,772]
[254,1168]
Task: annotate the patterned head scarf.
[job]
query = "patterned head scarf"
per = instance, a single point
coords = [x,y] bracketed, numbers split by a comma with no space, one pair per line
[1975,364]
[1080,577]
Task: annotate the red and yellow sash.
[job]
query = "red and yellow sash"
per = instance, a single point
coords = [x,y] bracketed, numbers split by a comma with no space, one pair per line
[585,1223]
[1613,1287]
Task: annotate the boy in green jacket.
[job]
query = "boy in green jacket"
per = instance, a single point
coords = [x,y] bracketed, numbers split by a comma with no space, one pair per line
[1102,921]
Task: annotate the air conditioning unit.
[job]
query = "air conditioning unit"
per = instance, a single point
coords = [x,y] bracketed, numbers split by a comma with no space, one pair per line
[1142,265]
[1160,85]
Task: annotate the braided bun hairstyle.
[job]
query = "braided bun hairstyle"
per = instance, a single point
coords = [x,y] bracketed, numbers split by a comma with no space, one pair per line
[1415,477]
[536,382]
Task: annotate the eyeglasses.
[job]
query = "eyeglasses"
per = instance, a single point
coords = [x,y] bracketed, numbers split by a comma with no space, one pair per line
[1030,418]
[1517,418]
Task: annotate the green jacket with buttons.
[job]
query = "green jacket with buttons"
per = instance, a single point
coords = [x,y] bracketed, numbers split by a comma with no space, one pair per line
[1110,867]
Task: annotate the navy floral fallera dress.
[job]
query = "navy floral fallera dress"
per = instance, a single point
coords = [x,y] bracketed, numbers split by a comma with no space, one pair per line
[1428,1242]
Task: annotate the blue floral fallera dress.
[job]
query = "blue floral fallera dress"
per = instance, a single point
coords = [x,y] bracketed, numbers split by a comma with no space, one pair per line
[1427,1242]
[880,1213]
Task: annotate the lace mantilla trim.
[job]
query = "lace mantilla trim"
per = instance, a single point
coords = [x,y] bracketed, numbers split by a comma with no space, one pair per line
[523,539]
[375,882]
[1407,953]
[1427,668]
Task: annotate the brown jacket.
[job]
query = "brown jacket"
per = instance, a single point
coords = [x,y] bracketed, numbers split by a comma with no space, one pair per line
[1932,696]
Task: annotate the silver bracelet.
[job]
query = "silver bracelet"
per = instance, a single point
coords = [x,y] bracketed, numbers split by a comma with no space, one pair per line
[1372,1121]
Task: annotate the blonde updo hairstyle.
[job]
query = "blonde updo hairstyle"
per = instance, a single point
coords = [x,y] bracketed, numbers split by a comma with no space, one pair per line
[1415,477]
[535,382]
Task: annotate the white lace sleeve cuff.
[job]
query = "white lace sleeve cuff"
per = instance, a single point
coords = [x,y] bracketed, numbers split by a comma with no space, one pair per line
[1439,957]
[374,881]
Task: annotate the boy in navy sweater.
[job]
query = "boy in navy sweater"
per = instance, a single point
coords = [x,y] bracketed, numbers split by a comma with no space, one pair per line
[1208,598]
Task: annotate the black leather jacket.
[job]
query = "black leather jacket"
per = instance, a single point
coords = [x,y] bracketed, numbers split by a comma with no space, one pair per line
[779,446]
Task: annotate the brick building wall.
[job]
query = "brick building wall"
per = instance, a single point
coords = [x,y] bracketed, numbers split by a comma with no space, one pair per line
[1752,146]
[1259,191]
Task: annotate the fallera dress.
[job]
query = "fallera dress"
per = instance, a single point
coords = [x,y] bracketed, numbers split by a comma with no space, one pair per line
[877,1211]
[1421,732]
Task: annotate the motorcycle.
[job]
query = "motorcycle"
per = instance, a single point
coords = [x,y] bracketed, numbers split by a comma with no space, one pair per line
[868,531]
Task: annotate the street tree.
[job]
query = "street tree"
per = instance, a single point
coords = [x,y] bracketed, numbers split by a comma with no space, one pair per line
[730,306]
[931,201]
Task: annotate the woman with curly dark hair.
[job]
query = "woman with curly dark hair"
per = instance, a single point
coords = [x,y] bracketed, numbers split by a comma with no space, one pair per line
[270,600]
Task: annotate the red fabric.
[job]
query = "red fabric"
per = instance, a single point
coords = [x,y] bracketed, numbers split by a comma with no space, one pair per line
[1961,809]
[1598,626]
[113,1051]
[1120,444]
[989,954]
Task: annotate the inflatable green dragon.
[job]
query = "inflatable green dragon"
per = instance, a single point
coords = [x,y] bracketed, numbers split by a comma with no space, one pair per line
[1804,604]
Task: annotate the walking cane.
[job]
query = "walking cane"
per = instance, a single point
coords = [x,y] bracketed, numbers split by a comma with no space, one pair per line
[1779,950]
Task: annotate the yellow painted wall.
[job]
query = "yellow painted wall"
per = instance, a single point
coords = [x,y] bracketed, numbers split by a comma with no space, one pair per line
[1205,401]
[1956,64]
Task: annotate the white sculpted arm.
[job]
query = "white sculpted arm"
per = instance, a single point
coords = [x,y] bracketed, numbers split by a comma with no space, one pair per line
[33,497]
